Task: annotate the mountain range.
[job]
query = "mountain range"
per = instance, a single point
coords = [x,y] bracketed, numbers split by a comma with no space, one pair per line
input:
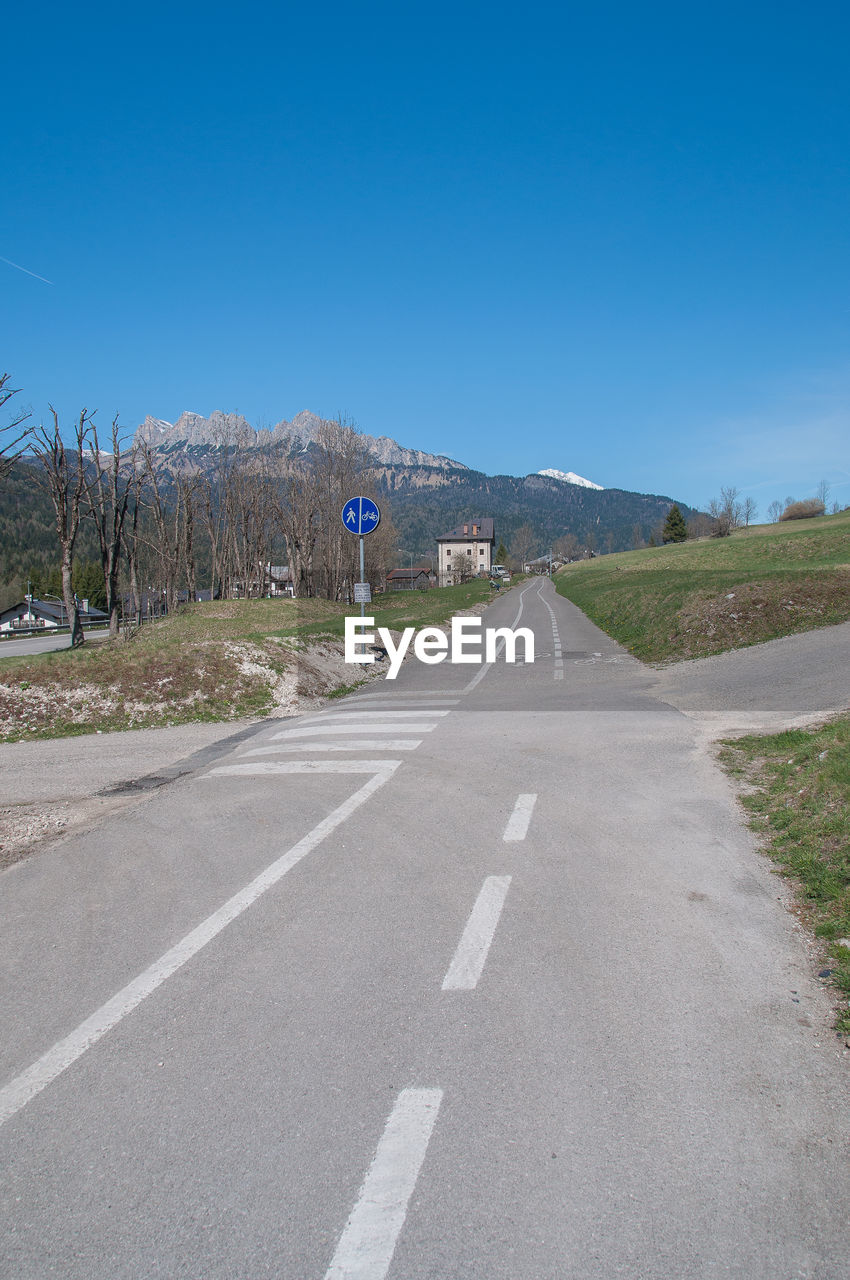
[431,493]
[191,429]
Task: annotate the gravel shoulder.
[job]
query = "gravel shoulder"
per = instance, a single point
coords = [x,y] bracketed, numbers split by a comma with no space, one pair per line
[49,787]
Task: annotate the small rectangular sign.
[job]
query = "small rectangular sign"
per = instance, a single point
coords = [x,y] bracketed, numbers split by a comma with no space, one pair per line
[362,593]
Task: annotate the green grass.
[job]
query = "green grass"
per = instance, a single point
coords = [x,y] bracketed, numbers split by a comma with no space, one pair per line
[215,661]
[692,599]
[797,795]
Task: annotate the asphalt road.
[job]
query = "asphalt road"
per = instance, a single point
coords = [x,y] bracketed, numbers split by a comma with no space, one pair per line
[45,643]
[477,974]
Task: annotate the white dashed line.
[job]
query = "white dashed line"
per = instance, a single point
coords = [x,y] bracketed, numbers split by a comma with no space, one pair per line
[259,767]
[353,744]
[367,1244]
[556,640]
[517,827]
[468,963]
[317,730]
[364,715]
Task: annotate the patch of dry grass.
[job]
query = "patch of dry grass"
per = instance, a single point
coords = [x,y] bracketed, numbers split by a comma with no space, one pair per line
[229,659]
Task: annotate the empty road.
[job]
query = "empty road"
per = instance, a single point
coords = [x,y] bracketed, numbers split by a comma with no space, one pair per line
[476,974]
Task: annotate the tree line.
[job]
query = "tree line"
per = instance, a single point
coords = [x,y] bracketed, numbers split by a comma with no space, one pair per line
[177,525]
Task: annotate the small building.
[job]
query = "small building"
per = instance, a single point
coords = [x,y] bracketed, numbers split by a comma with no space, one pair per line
[45,615]
[280,580]
[415,579]
[466,551]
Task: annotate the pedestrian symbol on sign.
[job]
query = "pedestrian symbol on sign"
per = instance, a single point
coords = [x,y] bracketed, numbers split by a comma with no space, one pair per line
[361,515]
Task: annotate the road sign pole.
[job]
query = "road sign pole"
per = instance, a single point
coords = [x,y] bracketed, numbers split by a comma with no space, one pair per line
[362,577]
[357,513]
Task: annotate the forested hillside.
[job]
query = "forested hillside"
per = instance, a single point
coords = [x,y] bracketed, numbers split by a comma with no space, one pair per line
[424,506]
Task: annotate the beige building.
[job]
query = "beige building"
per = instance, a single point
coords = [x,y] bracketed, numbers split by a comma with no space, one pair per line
[466,551]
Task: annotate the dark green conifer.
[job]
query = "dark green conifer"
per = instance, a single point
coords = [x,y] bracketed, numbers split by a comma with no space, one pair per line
[675,529]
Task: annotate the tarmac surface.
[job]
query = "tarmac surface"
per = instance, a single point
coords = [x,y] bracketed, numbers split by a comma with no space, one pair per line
[475,974]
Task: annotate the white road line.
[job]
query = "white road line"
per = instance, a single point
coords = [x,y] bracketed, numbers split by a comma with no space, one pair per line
[479,675]
[517,827]
[15,1095]
[367,1244]
[353,744]
[400,700]
[465,969]
[336,716]
[558,652]
[428,695]
[316,730]
[299,766]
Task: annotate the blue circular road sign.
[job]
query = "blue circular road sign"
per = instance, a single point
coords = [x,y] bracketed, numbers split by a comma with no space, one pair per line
[361,515]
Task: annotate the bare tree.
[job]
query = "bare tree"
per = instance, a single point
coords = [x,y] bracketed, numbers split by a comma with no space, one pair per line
[298,517]
[566,547]
[340,471]
[11,443]
[727,512]
[461,567]
[823,493]
[108,495]
[774,511]
[63,477]
[523,543]
[749,510]
[165,521]
[131,543]
[215,508]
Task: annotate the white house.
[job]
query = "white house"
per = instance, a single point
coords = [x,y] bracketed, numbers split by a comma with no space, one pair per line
[475,539]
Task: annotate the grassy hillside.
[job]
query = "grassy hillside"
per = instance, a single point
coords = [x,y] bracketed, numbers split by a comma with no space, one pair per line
[692,599]
[219,661]
[797,795]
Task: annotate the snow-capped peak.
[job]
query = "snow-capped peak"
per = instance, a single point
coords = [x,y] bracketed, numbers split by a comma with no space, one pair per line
[569,477]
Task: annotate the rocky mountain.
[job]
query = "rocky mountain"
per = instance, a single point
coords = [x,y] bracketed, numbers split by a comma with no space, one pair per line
[191,430]
[429,493]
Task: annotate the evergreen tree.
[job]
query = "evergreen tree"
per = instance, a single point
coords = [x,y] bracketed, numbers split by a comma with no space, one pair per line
[89,584]
[501,554]
[675,529]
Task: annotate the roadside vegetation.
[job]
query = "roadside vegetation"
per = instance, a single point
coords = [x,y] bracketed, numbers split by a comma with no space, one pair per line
[796,790]
[700,597]
[224,660]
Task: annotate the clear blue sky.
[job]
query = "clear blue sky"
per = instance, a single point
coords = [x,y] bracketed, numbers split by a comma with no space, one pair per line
[610,238]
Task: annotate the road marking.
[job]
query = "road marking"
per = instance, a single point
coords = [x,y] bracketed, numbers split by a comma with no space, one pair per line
[465,969]
[556,638]
[517,827]
[401,700]
[367,1244]
[299,766]
[353,744]
[479,675]
[336,716]
[15,1095]
[427,695]
[316,730]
